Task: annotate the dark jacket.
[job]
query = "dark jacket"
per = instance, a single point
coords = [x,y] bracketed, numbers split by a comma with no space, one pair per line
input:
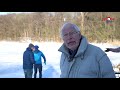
[115,49]
[28,59]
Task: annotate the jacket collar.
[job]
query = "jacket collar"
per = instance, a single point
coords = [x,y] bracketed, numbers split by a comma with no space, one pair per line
[82,47]
[64,49]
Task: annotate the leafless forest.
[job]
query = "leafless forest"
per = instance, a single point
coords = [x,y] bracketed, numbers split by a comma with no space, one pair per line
[45,26]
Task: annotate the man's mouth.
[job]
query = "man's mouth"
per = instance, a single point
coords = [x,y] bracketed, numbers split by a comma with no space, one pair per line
[71,43]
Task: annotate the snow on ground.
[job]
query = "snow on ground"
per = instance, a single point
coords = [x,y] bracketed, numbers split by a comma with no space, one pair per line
[11,54]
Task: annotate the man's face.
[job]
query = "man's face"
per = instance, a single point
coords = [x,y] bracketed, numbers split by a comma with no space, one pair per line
[33,49]
[71,38]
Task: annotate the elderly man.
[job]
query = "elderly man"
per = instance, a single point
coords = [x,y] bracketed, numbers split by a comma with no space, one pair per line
[80,59]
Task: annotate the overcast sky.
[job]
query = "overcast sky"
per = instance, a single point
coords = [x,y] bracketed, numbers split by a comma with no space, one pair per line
[4,13]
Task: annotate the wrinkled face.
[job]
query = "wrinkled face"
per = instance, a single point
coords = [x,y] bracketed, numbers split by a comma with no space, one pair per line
[71,38]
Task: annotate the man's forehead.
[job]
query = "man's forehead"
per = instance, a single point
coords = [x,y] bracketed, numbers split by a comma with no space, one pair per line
[69,27]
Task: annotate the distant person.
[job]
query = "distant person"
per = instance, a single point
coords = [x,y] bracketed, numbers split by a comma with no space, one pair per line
[79,59]
[113,49]
[38,61]
[28,61]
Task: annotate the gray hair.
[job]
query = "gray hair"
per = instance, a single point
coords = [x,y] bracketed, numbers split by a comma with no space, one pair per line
[68,24]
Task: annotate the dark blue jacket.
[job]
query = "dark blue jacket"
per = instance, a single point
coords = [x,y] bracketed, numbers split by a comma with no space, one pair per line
[28,59]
